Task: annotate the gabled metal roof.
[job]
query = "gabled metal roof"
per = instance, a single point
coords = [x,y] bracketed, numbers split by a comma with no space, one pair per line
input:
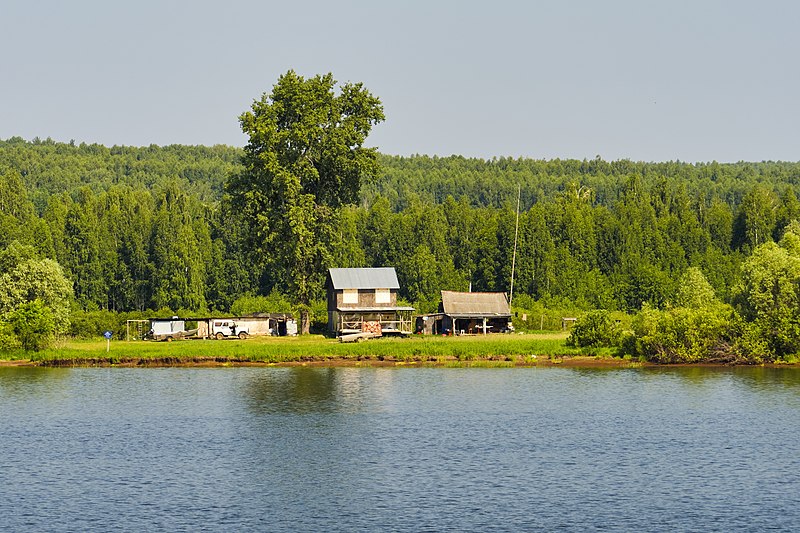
[363,278]
[475,304]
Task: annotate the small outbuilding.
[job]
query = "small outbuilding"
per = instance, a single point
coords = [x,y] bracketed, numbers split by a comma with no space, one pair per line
[365,300]
[463,313]
[275,324]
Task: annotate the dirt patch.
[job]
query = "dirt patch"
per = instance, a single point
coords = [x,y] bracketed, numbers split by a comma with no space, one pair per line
[17,362]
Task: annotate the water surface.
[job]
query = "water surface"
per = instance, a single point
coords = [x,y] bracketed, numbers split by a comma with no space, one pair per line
[392,449]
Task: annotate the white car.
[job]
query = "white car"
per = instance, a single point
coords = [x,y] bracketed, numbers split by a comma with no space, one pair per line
[221,329]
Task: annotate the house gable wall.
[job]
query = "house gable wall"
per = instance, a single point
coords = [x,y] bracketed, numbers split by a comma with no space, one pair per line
[366,298]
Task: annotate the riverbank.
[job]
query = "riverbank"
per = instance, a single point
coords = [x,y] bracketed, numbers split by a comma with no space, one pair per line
[530,350]
[439,361]
[491,350]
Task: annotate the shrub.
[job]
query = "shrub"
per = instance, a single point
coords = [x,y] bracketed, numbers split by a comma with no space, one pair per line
[90,324]
[684,335]
[33,324]
[594,330]
[8,341]
[274,303]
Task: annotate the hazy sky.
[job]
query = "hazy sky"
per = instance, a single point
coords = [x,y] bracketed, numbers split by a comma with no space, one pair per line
[652,81]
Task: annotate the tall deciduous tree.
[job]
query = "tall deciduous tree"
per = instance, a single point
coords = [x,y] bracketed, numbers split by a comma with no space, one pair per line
[694,290]
[24,278]
[769,297]
[305,159]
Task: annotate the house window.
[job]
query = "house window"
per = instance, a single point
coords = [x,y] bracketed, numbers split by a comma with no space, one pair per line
[350,296]
[383,296]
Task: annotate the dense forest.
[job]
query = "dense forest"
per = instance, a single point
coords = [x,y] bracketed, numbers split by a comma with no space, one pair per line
[150,229]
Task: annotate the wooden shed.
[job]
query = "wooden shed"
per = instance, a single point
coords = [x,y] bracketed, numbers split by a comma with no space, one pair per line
[474,312]
[365,300]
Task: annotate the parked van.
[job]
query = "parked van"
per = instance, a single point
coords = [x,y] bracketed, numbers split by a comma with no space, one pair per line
[226,328]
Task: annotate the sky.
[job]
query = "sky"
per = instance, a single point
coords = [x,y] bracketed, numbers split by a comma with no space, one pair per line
[643,80]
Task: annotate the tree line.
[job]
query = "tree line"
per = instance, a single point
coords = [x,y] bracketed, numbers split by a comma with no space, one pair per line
[165,242]
[158,229]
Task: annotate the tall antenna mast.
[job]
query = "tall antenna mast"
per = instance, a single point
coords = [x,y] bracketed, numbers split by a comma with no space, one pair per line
[514,257]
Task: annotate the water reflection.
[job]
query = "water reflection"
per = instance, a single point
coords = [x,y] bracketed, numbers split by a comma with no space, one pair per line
[760,377]
[23,384]
[316,390]
[291,390]
[16,379]
[756,377]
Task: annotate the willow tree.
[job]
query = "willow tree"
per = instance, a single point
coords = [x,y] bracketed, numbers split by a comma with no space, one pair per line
[305,159]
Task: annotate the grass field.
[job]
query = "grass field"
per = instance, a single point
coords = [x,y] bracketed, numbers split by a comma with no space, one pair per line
[511,348]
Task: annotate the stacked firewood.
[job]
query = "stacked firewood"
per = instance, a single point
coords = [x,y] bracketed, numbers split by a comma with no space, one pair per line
[371,326]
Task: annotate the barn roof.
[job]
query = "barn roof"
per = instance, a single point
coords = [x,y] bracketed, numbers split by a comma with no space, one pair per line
[363,278]
[475,304]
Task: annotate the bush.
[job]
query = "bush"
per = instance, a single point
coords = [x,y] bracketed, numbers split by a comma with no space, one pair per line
[684,335]
[92,324]
[249,304]
[319,316]
[8,341]
[594,330]
[33,324]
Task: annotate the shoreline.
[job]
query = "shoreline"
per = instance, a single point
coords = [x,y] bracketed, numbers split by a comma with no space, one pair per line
[544,350]
[578,362]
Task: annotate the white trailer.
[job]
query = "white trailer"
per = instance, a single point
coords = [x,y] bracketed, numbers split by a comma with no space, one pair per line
[167,329]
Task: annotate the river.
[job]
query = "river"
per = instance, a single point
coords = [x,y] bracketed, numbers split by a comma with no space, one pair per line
[399,449]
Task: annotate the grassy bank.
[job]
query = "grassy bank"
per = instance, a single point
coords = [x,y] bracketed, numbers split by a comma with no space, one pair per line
[516,349]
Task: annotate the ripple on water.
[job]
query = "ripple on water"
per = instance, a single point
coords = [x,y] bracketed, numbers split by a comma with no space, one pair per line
[344,449]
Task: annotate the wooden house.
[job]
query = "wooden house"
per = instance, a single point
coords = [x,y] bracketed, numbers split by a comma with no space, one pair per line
[365,300]
[463,313]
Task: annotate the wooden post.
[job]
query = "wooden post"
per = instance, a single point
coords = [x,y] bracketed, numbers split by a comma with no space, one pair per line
[484,325]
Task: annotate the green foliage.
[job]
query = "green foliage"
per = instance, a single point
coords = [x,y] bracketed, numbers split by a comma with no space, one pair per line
[755,221]
[34,279]
[16,211]
[8,341]
[594,330]
[181,247]
[305,159]
[319,316]
[545,314]
[694,291]
[34,298]
[34,325]
[684,335]
[149,228]
[769,298]
[274,303]
[92,324]
[14,255]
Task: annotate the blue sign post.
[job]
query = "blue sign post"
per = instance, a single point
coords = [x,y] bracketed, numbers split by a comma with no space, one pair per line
[107,335]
